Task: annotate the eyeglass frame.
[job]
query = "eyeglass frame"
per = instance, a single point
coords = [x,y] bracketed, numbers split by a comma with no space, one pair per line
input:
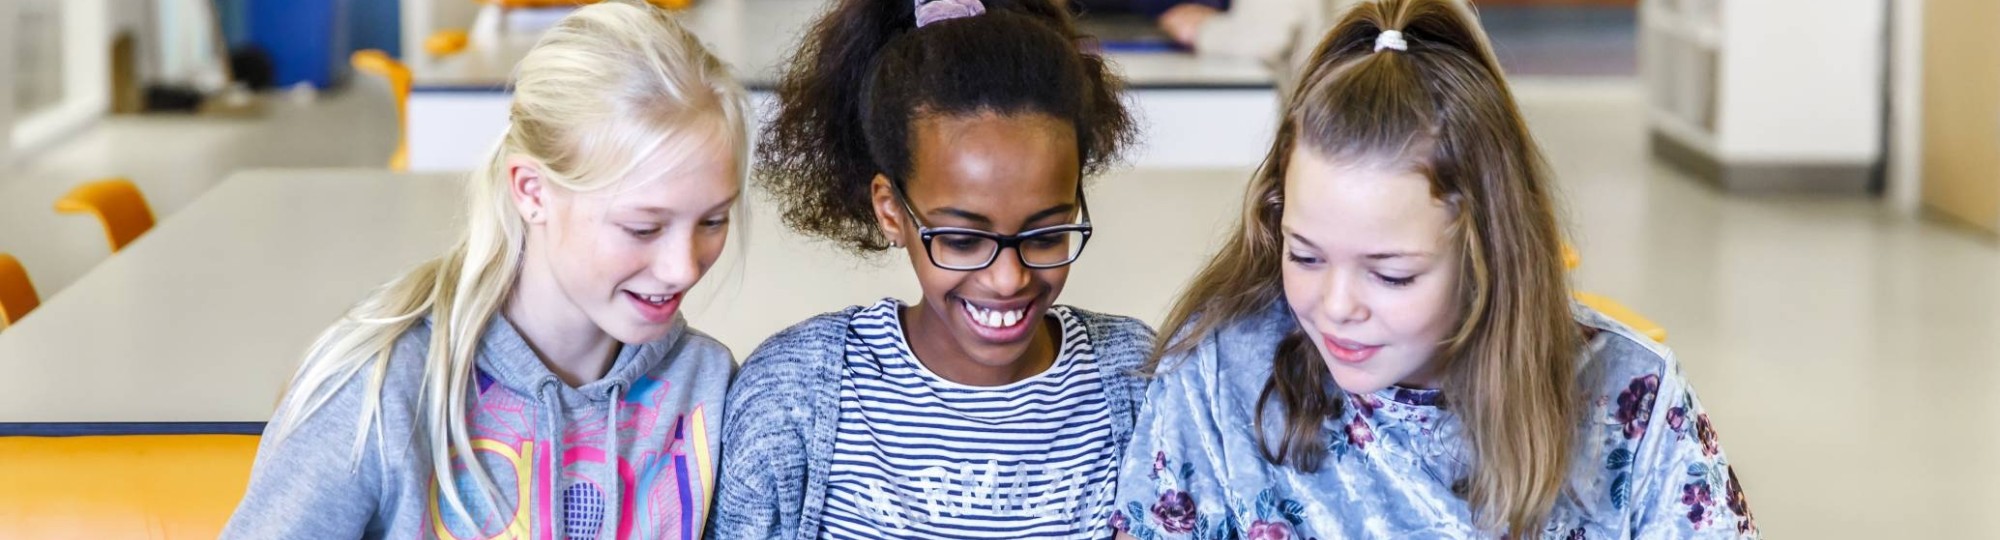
[926,234]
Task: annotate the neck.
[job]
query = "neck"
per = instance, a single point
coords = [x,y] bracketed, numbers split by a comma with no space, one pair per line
[924,327]
[562,336]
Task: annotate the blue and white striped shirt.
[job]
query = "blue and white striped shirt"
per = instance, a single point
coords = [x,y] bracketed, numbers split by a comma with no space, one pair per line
[918,456]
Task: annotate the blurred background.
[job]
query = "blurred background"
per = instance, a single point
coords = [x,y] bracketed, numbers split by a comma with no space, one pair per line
[1800,197]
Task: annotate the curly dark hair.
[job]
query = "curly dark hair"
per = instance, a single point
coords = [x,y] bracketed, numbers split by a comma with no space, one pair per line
[866,71]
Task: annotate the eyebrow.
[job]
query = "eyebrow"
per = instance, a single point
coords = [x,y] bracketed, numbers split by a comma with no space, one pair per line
[1383,256]
[1301,239]
[982,220]
[664,211]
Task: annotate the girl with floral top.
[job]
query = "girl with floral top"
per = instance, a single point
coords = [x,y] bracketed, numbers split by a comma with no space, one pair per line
[1386,347]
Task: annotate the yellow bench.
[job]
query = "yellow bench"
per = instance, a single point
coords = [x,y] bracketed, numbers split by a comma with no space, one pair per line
[122,486]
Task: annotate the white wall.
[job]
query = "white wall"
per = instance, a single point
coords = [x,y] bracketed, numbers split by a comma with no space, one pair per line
[1802,81]
[86,78]
[9,12]
[1906,75]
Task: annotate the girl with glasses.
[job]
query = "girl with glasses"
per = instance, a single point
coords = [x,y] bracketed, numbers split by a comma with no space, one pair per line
[960,133]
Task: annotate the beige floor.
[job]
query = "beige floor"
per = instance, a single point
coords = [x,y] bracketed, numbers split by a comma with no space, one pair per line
[1841,350]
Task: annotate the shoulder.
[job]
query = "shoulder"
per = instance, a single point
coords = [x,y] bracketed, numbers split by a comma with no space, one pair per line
[790,366]
[702,349]
[1122,343]
[1240,346]
[802,347]
[1620,365]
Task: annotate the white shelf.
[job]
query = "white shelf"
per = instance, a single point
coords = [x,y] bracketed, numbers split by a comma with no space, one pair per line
[1681,64]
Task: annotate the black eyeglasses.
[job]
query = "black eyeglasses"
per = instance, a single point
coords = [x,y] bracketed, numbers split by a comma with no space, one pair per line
[968,250]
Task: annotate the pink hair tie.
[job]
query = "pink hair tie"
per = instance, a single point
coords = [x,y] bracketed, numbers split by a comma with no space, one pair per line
[940,10]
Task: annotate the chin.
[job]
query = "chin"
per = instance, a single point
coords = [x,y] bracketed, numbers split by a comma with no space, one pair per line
[637,333]
[1359,382]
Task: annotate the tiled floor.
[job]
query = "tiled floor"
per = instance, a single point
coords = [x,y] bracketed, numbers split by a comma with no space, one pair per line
[1845,353]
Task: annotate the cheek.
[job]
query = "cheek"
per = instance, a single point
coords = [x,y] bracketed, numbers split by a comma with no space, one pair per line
[1055,278]
[1301,290]
[936,282]
[710,247]
[1428,311]
[605,253]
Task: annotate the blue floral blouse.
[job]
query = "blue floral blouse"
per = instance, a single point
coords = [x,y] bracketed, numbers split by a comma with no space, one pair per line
[1651,465]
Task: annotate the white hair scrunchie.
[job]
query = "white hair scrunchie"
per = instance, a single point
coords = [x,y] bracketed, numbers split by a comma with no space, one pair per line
[1391,39]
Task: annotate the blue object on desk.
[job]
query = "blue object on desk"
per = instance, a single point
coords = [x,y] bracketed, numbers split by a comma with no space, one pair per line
[308,40]
[1145,46]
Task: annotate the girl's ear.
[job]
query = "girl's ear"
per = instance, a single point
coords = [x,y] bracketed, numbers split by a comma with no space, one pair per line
[525,183]
[888,211]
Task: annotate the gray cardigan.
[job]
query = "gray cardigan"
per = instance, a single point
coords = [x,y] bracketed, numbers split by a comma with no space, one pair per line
[779,421]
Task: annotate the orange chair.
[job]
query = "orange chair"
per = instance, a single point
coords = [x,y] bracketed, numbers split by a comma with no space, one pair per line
[447,42]
[117,204]
[122,486]
[17,294]
[379,63]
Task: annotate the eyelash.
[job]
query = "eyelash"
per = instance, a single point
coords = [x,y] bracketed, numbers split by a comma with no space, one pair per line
[1395,282]
[642,233]
[716,223]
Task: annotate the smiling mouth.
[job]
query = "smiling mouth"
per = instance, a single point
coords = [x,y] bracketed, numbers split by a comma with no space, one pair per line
[1351,352]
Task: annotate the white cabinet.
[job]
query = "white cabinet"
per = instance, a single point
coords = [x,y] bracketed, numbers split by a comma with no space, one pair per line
[1767,94]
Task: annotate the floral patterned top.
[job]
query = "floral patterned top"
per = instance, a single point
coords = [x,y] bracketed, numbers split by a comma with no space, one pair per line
[1651,466]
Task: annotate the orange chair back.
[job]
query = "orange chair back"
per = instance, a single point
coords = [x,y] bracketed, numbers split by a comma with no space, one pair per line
[378,63]
[117,204]
[17,294]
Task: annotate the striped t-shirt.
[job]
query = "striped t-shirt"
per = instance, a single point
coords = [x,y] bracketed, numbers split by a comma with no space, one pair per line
[918,456]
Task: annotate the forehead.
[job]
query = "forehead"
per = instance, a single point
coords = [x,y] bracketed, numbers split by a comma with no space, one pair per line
[695,171]
[1362,206]
[994,160]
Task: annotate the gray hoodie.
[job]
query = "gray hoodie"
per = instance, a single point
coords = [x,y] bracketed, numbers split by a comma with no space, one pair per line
[544,443]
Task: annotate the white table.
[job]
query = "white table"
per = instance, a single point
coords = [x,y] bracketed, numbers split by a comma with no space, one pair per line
[205,318]
[1196,112]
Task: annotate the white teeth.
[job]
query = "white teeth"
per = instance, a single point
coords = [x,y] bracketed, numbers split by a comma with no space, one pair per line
[994,319]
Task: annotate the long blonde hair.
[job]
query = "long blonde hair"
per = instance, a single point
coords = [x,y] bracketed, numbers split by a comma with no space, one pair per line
[602,90]
[1509,371]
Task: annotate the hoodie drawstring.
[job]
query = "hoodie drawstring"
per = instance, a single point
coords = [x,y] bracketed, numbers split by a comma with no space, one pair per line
[614,495]
[616,394]
[552,420]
